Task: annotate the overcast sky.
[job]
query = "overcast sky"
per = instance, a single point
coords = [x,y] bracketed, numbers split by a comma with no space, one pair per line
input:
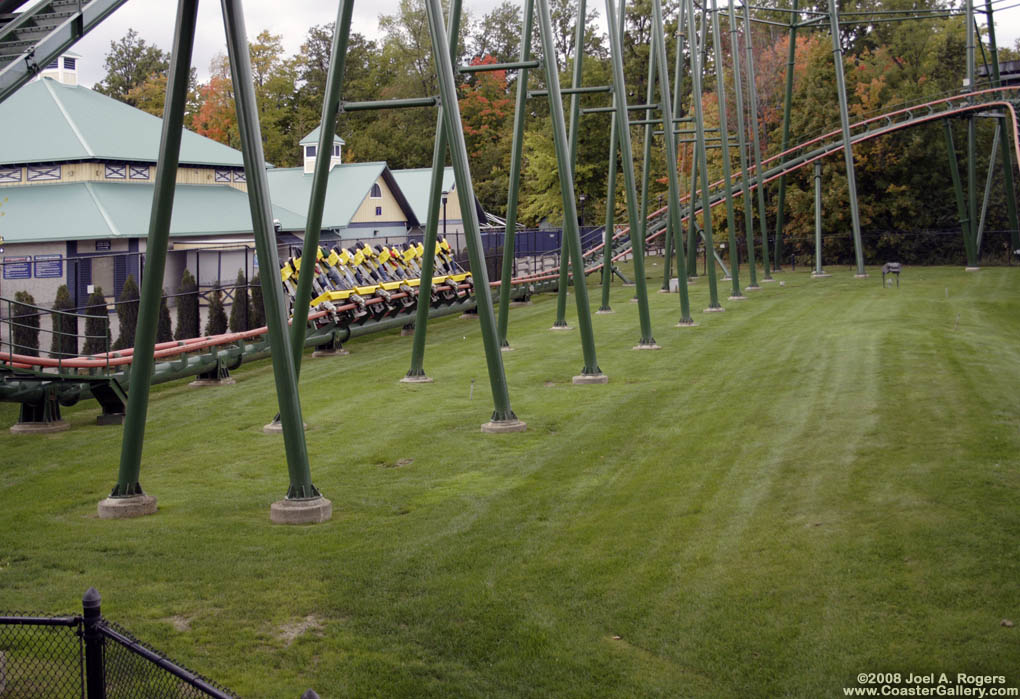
[154,21]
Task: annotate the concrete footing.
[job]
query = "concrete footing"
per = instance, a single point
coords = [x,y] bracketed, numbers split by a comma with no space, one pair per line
[304,511]
[590,378]
[501,426]
[213,382]
[861,276]
[417,379]
[40,427]
[604,311]
[820,275]
[110,419]
[717,309]
[629,284]
[665,291]
[752,287]
[506,348]
[277,427]
[330,353]
[646,346]
[767,280]
[737,298]
[518,304]
[125,508]
[971,269]
[468,316]
[561,327]
[686,324]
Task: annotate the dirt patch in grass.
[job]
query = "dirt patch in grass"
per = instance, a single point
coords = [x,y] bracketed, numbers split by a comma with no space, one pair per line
[289,632]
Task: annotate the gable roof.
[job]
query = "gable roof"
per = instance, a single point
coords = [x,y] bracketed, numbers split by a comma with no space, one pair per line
[347,187]
[71,122]
[89,210]
[415,184]
[312,139]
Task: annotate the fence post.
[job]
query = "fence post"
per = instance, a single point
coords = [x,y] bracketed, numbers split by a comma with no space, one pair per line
[95,675]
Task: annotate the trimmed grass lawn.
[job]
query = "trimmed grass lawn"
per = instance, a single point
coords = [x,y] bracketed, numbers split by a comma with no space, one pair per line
[822,481]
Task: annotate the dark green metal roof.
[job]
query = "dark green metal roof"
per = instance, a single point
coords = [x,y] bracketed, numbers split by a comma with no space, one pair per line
[46,121]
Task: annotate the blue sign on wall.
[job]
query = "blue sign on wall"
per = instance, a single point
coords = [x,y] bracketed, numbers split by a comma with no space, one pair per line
[49,266]
[17,267]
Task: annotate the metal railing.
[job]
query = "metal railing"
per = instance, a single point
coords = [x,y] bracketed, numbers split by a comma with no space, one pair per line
[89,656]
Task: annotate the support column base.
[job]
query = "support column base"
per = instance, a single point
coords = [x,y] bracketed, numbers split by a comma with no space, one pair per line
[40,427]
[686,324]
[110,419]
[561,327]
[506,348]
[715,309]
[518,304]
[665,291]
[501,426]
[213,382]
[767,280]
[820,275]
[604,311]
[277,427]
[330,353]
[971,269]
[304,511]
[468,316]
[590,378]
[421,378]
[861,276]
[646,346]
[125,508]
[737,298]
[629,284]
[752,287]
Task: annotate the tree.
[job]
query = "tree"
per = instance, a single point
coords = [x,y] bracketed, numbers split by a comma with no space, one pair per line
[164,331]
[129,63]
[187,308]
[97,325]
[217,322]
[127,314]
[258,309]
[65,325]
[498,34]
[26,324]
[240,310]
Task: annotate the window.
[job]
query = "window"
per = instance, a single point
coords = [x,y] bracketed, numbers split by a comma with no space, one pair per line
[336,151]
[222,176]
[139,172]
[43,172]
[378,211]
[239,176]
[309,151]
[116,172]
[53,65]
[69,63]
[376,192]
[10,174]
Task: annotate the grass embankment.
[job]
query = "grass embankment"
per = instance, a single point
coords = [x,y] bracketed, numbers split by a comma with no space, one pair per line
[819,482]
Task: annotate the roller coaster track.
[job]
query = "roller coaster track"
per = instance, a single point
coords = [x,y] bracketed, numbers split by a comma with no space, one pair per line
[39,382]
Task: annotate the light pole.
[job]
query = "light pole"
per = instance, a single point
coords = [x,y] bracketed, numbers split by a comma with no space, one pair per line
[445,195]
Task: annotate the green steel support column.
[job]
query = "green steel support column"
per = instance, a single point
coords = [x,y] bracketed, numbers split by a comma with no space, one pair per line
[503,418]
[591,373]
[416,374]
[516,151]
[575,114]
[848,153]
[742,142]
[752,94]
[155,257]
[301,486]
[659,49]
[961,204]
[647,151]
[692,223]
[972,260]
[627,162]
[320,180]
[706,211]
[667,251]
[1007,182]
[607,247]
[674,237]
[989,181]
[731,221]
[819,272]
[787,102]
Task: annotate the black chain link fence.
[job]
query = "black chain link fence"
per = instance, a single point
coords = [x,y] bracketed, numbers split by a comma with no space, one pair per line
[41,656]
[74,657]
